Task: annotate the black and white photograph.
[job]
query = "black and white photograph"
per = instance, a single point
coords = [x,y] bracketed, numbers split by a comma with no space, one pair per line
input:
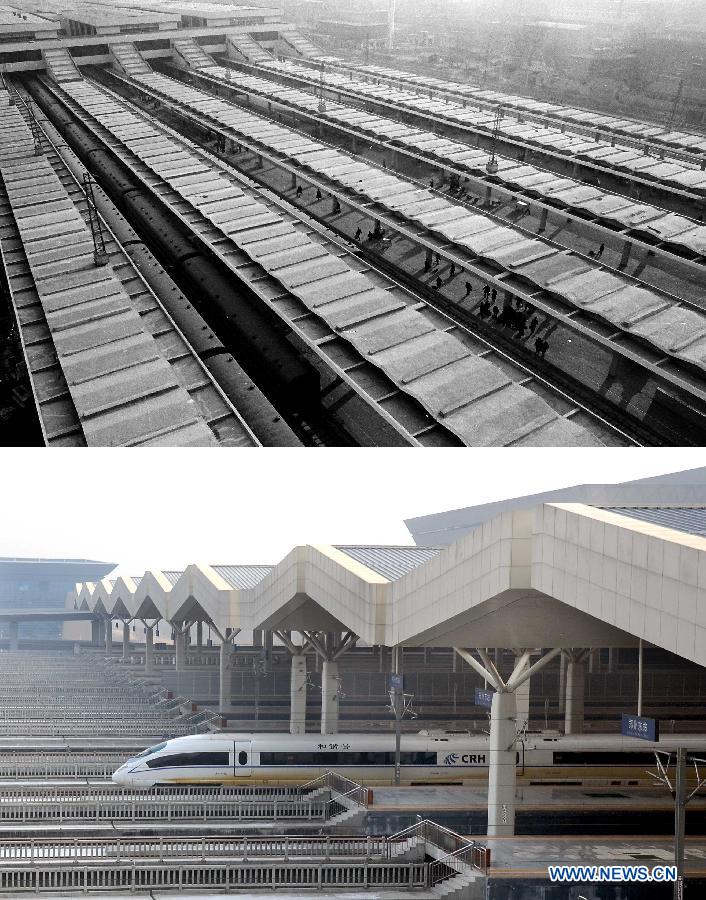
[442,224]
[442,265]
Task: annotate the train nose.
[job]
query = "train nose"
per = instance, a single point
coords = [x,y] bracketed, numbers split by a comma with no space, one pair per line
[121,776]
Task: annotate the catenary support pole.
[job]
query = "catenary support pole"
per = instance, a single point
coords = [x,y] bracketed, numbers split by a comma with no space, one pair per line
[126,641]
[679,822]
[397,699]
[108,626]
[639,677]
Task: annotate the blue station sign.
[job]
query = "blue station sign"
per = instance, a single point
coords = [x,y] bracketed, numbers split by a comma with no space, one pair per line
[396,682]
[640,727]
[484,698]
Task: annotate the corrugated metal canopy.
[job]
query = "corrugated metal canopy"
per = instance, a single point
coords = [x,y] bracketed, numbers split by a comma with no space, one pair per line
[390,562]
[681,518]
[173,576]
[242,577]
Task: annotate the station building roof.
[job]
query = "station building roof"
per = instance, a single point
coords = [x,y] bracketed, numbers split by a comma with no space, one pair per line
[549,574]
[242,576]
[686,488]
[391,562]
[689,519]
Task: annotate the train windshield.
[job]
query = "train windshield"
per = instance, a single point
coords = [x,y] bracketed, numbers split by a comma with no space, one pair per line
[149,751]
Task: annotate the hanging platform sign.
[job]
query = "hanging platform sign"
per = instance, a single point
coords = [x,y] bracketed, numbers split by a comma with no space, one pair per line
[484,698]
[640,727]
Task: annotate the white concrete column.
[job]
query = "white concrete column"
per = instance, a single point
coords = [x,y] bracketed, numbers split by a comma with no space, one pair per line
[199,635]
[180,651]
[126,641]
[95,632]
[149,648]
[329,697]
[563,661]
[297,684]
[108,626]
[14,635]
[224,676]
[501,775]
[522,701]
[575,689]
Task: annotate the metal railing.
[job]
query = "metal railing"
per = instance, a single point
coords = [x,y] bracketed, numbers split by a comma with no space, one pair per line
[53,765]
[104,801]
[165,809]
[228,876]
[125,849]
[341,787]
[457,847]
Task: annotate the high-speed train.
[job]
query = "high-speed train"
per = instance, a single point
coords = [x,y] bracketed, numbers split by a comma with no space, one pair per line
[369,758]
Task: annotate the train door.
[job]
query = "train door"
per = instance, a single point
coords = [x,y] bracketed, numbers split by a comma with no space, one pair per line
[242,759]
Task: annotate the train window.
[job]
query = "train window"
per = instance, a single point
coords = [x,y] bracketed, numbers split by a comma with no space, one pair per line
[150,750]
[602,758]
[242,758]
[343,758]
[175,760]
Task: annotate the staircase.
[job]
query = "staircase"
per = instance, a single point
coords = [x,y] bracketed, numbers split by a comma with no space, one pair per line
[60,66]
[129,60]
[189,55]
[304,48]
[245,47]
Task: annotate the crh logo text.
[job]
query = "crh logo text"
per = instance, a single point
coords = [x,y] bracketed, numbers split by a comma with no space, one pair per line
[465,759]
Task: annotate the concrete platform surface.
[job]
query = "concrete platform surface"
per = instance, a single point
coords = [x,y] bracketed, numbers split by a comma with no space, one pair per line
[528,857]
[457,797]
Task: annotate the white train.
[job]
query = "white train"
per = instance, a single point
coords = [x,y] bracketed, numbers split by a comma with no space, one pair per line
[369,758]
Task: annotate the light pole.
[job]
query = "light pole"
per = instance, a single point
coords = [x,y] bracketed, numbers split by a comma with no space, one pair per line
[492,165]
[322,100]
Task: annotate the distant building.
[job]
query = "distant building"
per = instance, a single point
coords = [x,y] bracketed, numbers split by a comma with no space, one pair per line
[43,584]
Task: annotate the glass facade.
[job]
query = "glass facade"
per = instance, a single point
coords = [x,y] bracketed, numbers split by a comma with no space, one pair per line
[27,584]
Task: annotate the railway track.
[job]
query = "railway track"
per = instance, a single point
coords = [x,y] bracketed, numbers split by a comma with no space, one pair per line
[592,407]
[412,107]
[179,204]
[576,202]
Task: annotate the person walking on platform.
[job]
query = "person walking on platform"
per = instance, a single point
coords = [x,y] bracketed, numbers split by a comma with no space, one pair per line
[469,288]
[452,270]
[358,233]
[486,291]
[438,282]
[318,194]
[600,251]
[300,191]
[494,295]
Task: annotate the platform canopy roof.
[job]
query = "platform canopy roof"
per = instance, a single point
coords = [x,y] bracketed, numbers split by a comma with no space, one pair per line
[552,574]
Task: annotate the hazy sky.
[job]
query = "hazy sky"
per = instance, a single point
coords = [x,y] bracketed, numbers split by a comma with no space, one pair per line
[146,509]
